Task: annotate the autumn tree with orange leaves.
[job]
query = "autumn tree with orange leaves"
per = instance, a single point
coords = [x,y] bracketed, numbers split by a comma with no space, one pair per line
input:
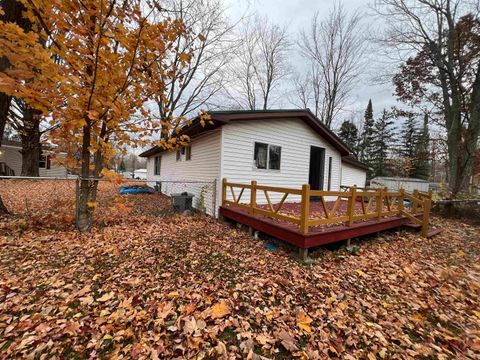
[93,79]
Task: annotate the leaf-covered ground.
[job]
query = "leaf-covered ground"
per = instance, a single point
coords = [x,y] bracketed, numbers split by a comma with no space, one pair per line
[190,287]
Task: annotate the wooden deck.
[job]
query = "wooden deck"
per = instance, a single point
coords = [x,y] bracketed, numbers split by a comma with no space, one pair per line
[317,236]
[315,221]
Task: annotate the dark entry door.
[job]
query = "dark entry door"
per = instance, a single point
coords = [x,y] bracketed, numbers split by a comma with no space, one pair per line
[317,168]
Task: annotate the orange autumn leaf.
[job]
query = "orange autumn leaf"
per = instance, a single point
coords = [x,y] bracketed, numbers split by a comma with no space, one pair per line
[304,321]
[220,309]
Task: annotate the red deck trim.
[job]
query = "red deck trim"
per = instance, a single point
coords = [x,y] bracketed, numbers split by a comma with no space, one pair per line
[315,237]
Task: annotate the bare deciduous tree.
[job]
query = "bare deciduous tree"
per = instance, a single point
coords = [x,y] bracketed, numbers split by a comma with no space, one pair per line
[444,37]
[209,44]
[261,63]
[336,47]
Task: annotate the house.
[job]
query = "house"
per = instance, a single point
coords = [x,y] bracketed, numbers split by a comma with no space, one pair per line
[11,161]
[139,174]
[283,148]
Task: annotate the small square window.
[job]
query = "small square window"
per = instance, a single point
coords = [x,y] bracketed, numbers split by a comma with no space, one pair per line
[188,153]
[267,156]
[44,162]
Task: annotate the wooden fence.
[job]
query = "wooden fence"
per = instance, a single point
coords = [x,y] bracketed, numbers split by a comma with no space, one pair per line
[374,204]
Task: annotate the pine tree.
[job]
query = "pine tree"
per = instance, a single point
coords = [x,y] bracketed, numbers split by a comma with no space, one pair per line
[409,137]
[421,162]
[384,136]
[368,136]
[348,132]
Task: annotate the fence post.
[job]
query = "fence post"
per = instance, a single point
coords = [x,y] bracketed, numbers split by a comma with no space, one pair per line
[351,204]
[379,202]
[427,204]
[401,197]
[253,196]
[77,196]
[305,208]
[415,201]
[224,191]
[214,197]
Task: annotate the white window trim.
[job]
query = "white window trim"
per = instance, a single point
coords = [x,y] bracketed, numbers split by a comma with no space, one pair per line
[254,167]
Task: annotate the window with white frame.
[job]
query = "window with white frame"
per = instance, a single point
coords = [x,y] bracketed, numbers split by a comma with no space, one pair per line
[267,156]
[44,162]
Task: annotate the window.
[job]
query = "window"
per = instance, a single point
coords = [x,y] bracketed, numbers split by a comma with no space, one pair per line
[188,153]
[179,155]
[44,162]
[267,156]
[329,173]
[274,157]
[157,164]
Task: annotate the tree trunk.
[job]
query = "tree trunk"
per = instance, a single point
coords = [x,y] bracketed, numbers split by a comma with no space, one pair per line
[31,147]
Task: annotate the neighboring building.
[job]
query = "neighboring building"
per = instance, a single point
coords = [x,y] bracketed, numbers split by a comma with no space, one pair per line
[396,183]
[11,161]
[139,174]
[283,148]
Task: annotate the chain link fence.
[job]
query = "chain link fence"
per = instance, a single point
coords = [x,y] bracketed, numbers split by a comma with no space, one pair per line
[43,202]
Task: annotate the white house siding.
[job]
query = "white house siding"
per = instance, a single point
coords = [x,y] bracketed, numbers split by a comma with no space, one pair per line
[12,157]
[204,166]
[352,175]
[294,136]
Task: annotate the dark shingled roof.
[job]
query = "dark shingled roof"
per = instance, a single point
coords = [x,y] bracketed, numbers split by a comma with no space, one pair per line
[220,118]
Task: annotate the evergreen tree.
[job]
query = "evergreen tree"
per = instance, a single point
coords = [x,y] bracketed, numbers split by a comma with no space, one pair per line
[421,162]
[368,136]
[409,137]
[348,132]
[382,142]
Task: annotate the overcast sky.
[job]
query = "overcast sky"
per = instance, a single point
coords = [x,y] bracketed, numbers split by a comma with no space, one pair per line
[297,14]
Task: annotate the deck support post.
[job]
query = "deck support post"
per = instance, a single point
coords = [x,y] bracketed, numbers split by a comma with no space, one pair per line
[401,198]
[224,191]
[305,209]
[427,204]
[253,197]
[379,202]
[303,253]
[250,231]
[349,243]
[351,204]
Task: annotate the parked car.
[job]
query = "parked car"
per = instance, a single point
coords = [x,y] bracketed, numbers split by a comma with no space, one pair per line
[135,189]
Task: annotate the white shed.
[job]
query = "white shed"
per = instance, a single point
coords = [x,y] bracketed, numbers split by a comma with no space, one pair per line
[396,183]
[283,148]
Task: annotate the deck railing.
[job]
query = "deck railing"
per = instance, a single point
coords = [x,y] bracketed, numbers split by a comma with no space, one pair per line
[374,203]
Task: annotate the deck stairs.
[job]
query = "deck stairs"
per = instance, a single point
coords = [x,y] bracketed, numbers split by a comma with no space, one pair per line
[432,232]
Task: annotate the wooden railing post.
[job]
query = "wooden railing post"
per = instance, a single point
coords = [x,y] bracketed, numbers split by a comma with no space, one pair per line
[427,204]
[401,198]
[415,202]
[305,209]
[224,191]
[379,202]
[351,204]
[253,196]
